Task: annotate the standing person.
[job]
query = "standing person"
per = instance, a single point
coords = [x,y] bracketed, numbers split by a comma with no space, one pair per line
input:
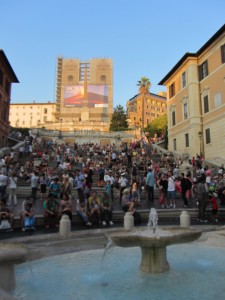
[202,198]
[123,182]
[12,187]
[150,182]
[221,188]
[34,181]
[176,172]
[43,186]
[214,204]
[163,185]
[134,189]
[101,174]
[171,190]
[189,183]
[54,188]
[3,183]
[183,184]
[79,182]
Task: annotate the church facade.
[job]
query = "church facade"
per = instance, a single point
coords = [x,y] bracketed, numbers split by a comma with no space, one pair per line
[84,93]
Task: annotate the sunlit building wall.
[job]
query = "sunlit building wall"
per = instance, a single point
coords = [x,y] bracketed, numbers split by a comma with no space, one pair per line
[196,100]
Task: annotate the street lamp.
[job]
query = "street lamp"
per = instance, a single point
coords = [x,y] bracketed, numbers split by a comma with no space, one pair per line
[60,131]
[200,141]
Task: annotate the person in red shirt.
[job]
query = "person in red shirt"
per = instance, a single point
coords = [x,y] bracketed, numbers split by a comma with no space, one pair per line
[214,204]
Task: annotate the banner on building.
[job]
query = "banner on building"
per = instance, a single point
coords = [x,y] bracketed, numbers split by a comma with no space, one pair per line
[97,95]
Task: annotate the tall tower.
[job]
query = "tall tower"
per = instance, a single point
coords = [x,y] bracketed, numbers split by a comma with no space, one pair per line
[84,91]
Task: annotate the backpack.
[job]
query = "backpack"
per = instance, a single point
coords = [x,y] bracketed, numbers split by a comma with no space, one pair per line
[29,222]
[188,184]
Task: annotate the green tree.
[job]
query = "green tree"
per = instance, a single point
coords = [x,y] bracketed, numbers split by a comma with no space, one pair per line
[144,84]
[119,119]
[158,126]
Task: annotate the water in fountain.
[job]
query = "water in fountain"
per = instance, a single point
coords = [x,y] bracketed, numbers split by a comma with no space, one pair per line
[195,272]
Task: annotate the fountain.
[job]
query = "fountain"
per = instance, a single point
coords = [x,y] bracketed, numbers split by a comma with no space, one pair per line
[153,243]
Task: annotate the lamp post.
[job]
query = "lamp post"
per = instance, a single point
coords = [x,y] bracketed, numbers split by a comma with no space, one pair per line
[60,131]
[200,141]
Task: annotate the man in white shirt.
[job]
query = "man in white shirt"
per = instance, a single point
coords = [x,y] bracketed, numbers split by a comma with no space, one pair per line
[123,182]
[34,181]
[3,183]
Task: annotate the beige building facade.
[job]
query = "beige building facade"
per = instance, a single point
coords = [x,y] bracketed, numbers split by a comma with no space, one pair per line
[32,115]
[143,108]
[196,100]
[84,93]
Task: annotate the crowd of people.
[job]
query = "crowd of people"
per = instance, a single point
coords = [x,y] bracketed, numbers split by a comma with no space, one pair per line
[62,176]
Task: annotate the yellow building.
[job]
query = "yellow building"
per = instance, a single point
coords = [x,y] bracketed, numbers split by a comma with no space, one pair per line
[196,100]
[145,107]
[31,115]
[7,77]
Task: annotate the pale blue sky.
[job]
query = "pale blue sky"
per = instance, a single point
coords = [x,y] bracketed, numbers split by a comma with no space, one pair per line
[143,38]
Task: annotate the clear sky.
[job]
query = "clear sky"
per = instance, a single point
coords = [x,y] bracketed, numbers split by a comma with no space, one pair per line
[143,38]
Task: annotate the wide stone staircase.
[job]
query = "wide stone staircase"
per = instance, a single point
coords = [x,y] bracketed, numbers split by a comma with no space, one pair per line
[24,190]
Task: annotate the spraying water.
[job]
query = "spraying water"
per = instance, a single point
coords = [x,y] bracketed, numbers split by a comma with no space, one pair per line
[153,219]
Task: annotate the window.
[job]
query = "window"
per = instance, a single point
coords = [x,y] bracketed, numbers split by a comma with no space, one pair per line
[172,90]
[153,115]
[207,136]
[217,100]
[186,140]
[84,67]
[175,144]
[185,111]
[45,111]
[206,104]
[70,78]
[1,77]
[184,82]
[223,53]
[173,118]
[45,118]
[103,79]
[203,70]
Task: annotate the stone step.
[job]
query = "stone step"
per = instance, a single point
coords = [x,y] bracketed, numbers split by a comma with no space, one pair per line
[118,217]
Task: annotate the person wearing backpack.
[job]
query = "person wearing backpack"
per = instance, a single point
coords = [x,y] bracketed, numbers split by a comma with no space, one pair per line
[189,184]
[183,185]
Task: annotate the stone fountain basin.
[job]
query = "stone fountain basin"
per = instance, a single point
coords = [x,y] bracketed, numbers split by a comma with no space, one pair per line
[161,238]
[153,244]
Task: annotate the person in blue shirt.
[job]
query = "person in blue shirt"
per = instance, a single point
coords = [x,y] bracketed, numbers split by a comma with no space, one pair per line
[150,183]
